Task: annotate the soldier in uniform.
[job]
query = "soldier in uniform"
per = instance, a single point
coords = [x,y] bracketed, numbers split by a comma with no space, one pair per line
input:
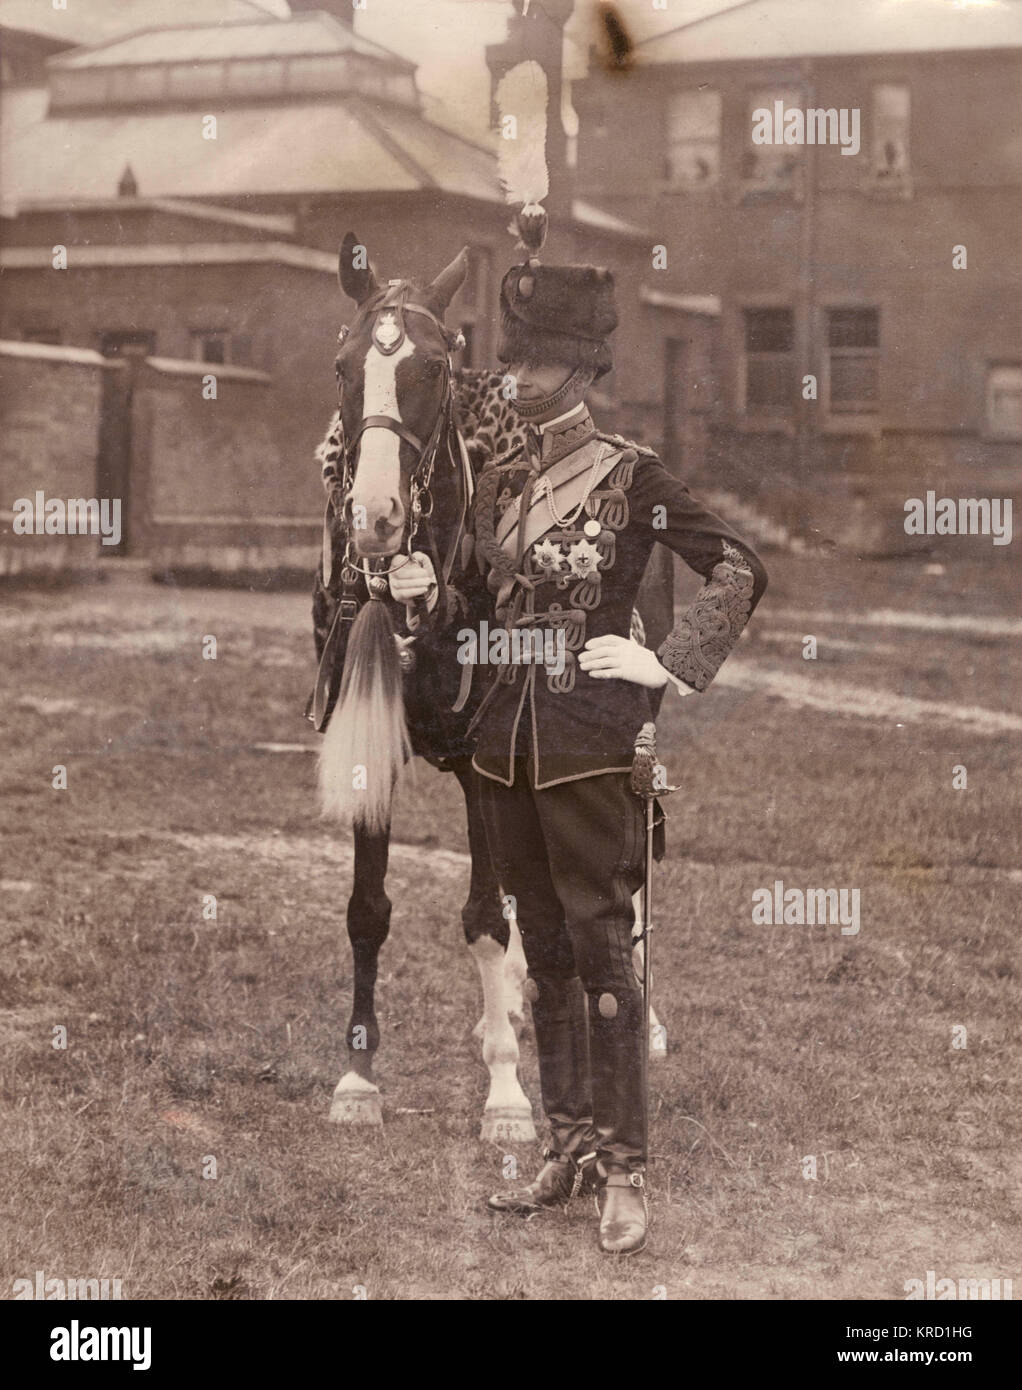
[563,530]
[563,533]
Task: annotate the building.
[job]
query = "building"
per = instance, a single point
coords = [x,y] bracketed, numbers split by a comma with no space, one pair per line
[870,302]
[200,178]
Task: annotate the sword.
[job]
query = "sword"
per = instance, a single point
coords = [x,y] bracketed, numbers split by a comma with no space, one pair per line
[648,780]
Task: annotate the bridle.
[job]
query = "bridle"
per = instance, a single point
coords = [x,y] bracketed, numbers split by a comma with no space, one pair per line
[397,305]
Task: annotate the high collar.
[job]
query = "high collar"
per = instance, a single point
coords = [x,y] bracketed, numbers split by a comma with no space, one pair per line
[553,439]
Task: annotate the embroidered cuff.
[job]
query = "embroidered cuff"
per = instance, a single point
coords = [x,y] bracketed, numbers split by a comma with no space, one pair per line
[696,649]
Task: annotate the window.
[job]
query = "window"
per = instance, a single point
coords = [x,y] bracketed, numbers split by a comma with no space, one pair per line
[262,76]
[770,166]
[890,134]
[693,139]
[211,345]
[188,80]
[471,305]
[1004,401]
[769,361]
[853,344]
[130,343]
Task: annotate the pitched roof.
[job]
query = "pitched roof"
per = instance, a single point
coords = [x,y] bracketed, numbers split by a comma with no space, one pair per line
[100,20]
[273,224]
[817,28]
[336,146]
[306,33]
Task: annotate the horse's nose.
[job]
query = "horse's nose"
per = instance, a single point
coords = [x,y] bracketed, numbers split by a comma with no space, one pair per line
[389,521]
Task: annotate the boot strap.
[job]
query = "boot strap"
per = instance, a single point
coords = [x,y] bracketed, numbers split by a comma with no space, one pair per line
[625,1180]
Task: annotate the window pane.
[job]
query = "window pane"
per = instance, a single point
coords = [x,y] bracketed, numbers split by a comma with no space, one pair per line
[854,382]
[768,382]
[694,115]
[693,137]
[775,164]
[854,328]
[264,75]
[890,131]
[695,161]
[196,79]
[769,330]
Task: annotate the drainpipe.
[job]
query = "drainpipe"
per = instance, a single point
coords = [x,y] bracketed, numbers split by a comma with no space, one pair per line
[807,347]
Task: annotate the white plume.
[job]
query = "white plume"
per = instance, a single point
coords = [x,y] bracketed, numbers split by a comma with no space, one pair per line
[521,162]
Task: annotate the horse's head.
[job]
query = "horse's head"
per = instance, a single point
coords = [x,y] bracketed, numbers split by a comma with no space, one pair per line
[394,384]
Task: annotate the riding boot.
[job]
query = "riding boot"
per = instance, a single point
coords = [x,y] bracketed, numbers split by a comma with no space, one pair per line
[559,1017]
[619,1110]
[624,1215]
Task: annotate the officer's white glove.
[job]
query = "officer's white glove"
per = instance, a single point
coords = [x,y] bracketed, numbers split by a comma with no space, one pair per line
[619,658]
[412,578]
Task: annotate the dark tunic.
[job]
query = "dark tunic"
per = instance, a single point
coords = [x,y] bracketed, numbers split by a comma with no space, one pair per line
[571,725]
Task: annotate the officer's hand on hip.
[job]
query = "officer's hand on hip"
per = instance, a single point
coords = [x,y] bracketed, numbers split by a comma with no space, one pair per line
[413,577]
[619,658]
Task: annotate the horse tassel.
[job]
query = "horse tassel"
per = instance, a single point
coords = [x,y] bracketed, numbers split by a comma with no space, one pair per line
[366,743]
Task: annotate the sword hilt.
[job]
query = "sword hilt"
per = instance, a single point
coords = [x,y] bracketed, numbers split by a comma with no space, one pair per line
[648,776]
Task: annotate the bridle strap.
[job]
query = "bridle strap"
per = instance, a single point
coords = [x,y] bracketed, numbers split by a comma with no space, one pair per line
[387,422]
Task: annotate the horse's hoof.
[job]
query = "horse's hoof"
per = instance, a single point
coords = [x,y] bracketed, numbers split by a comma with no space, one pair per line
[356,1102]
[508,1125]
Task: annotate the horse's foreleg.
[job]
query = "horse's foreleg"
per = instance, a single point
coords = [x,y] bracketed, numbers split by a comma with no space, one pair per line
[356,1098]
[515,971]
[508,1115]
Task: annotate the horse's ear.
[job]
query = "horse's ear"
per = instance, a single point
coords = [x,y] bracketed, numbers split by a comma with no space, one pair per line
[449,281]
[354,271]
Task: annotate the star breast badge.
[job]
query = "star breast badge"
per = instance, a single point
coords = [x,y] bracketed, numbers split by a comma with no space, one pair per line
[583,559]
[546,556]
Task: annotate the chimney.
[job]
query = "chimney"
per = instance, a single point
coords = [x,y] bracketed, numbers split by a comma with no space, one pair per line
[128,186]
[536,31]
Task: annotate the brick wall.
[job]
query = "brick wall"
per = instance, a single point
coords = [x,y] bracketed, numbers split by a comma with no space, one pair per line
[50,410]
[228,488]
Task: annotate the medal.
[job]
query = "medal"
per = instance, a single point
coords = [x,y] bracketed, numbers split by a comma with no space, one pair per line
[592,528]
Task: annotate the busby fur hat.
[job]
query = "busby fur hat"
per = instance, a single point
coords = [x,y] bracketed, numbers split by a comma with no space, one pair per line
[557,314]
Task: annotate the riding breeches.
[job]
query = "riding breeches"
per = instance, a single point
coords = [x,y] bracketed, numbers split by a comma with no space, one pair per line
[571,856]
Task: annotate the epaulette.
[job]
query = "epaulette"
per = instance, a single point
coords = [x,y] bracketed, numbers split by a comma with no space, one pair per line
[620,442]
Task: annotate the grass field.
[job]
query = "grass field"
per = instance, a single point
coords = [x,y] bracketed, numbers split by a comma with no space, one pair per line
[190,1038]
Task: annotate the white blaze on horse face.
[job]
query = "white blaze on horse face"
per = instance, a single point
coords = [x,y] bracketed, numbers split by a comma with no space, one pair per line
[377,485]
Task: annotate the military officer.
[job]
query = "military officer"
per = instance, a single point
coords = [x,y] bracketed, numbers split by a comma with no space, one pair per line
[563,532]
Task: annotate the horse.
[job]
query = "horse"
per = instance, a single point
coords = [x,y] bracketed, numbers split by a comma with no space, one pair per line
[399,463]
